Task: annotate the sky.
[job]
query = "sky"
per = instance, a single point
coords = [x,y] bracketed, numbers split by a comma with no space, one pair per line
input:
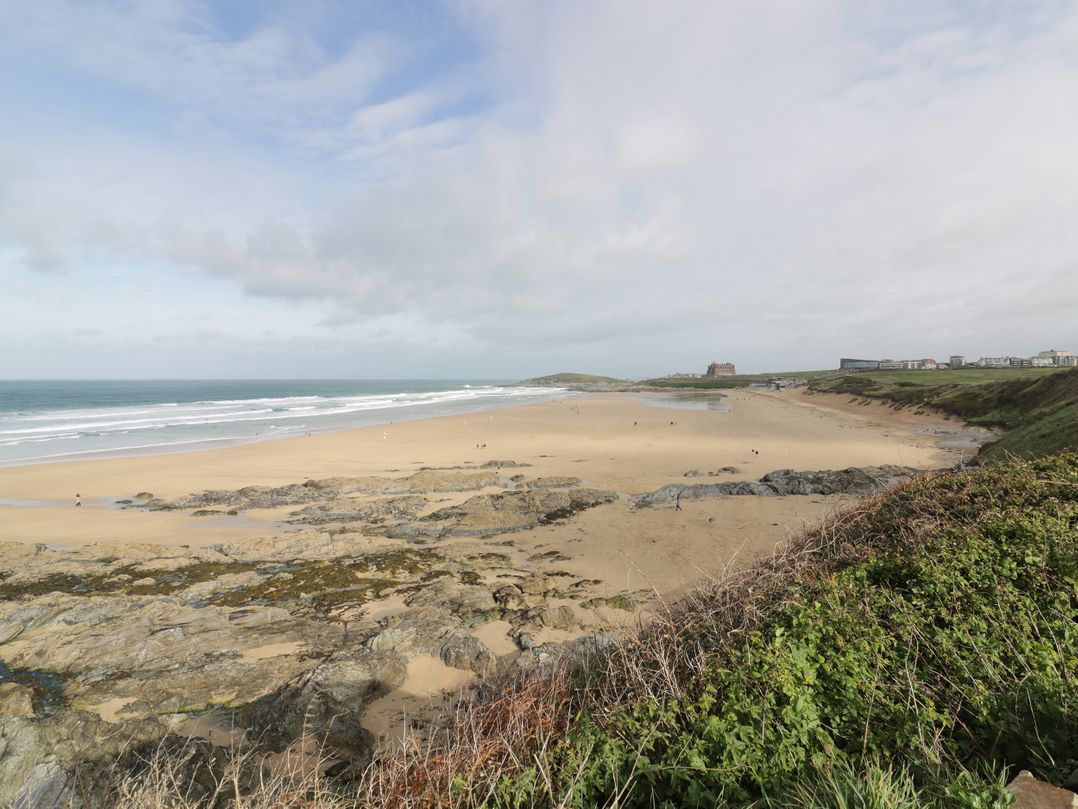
[498,189]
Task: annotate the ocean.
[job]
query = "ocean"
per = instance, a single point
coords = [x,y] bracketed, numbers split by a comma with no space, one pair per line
[56,421]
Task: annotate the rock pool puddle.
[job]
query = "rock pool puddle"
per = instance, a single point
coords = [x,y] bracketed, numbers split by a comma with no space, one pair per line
[686,401]
[15,503]
[47,687]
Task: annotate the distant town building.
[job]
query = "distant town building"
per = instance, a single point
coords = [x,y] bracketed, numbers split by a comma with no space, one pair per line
[1044,359]
[721,369]
[1060,359]
[847,364]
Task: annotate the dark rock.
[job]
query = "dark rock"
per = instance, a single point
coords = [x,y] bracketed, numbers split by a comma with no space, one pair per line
[328,701]
[782,482]
[553,482]
[396,508]
[509,597]
[39,758]
[469,653]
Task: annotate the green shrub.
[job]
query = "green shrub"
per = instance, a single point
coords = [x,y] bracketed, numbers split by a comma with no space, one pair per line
[942,633]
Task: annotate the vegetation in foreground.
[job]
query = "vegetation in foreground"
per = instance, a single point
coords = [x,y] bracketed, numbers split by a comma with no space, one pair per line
[916,651]
[1038,411]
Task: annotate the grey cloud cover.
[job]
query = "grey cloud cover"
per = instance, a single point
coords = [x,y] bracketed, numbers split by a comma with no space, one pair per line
[642,188]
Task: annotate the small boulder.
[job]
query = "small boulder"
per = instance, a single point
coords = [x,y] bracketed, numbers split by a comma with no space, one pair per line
[469,653]
[16,700]
[536,584]
[509,597]
[558,618]
[1029,793]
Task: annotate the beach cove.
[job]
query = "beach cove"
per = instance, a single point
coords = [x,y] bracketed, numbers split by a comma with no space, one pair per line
[374,573]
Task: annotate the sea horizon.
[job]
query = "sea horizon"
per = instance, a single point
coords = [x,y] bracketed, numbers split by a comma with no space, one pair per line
[50,421]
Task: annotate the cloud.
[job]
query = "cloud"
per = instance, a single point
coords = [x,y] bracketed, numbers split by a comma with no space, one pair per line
[639,181]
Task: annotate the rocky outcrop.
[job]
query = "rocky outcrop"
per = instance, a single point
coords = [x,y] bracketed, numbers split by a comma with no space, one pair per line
[783,482]
[499,513]
[415,631]
[157,655]
[343,510]
[271,634]
[43,760]
[429,480]
[464,600]
[328,701]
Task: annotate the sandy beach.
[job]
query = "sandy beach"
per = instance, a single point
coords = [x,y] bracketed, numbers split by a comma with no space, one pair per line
[547,580]
[610,441]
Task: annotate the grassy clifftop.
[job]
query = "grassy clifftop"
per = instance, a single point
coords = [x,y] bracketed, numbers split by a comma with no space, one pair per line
[914,653]
[566,378]
[1038,410]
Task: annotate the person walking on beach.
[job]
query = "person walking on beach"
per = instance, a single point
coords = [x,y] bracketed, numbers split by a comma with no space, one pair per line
[677,502]
[78,499]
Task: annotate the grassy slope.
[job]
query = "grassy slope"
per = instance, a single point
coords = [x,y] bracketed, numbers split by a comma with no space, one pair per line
[1038,408]
[568,379]
[932,631]
[736,381]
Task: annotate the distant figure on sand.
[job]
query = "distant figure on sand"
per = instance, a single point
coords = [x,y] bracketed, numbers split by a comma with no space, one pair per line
[78,499]
[677,502]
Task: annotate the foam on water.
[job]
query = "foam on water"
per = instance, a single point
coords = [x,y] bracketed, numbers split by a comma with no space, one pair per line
[49,432]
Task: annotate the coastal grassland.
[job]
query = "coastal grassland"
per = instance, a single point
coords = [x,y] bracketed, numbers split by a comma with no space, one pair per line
[970,376]
[566,378]
[735,381]
[1036,407]
[917,650]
